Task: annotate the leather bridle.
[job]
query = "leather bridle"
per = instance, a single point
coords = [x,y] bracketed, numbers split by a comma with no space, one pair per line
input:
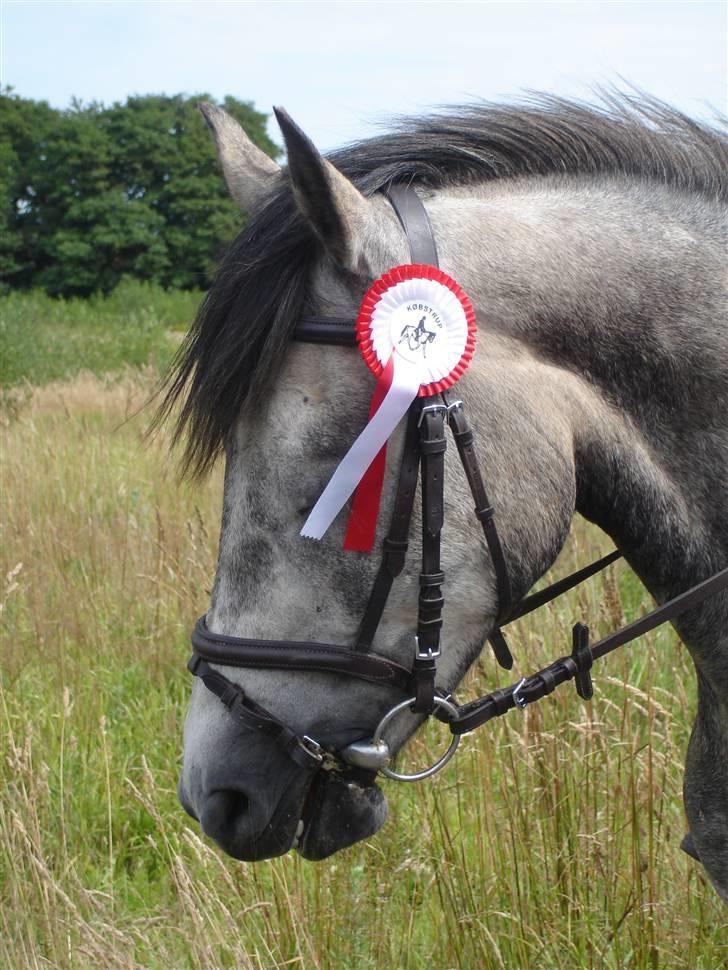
[423,451]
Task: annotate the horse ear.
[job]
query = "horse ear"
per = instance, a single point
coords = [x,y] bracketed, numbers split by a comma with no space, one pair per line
[249,173]
[337,211]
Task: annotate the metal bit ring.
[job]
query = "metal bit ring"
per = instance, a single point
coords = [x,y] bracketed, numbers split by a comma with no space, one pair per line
[440,763]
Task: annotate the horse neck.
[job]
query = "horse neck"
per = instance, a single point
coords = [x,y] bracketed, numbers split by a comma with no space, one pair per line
[615,289]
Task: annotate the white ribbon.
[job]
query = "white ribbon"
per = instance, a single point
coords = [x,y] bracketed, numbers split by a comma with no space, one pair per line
[406,380]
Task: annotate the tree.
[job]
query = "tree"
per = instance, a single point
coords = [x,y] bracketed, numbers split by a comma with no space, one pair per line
[24,129]
[95,193]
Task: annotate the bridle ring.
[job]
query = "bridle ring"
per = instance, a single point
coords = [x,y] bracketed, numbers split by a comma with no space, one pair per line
[441,702]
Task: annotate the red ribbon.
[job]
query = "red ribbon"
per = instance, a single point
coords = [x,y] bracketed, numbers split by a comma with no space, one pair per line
[362,526]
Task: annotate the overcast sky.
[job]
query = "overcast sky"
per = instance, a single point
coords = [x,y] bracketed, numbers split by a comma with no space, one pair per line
[342,67]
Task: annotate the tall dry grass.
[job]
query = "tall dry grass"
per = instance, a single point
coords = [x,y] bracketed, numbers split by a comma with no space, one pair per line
[551,841]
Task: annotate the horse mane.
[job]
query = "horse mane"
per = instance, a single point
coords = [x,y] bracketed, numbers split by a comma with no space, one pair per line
[244,323]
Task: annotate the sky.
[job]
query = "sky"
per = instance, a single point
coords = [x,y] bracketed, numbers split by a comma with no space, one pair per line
[342,69]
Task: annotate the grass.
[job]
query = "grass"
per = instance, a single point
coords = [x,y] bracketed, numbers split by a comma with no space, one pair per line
[550,842]
[44,339]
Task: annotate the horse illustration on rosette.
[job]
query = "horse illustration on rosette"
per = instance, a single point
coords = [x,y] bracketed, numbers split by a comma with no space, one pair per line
[417,337]
[591,243]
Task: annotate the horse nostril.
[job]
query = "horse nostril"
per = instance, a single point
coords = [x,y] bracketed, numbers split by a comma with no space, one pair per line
[238,803]
[243,827]
[223,812]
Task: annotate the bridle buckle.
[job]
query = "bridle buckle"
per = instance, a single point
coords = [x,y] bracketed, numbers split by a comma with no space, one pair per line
[324,759]
[432,408]
[518,699]
[311,747]
[428,654]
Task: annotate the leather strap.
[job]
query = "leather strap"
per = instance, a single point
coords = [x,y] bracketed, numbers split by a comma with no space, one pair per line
[394,546]
[543,596]
[304,751]
[297,655]
[484,511]
[578,664]
[415,222]
[431,601]
[326,330]
[668,611]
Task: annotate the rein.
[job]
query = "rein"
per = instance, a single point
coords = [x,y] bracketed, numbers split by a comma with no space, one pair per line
[424,450]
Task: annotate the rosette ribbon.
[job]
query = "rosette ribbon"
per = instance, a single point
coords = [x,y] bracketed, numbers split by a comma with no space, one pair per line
[416,333]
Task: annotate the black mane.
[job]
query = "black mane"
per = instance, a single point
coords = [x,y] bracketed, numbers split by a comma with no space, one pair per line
[245,321]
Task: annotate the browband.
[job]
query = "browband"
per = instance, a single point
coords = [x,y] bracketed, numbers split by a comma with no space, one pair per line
[326,330]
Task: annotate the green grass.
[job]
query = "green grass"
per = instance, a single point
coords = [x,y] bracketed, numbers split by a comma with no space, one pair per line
[552,840]
[44,339]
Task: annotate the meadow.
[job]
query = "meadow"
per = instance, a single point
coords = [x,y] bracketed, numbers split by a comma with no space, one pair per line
[43,339]
[552,840]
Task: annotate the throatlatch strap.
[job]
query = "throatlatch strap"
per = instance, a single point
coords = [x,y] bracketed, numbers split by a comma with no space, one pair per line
[465,442]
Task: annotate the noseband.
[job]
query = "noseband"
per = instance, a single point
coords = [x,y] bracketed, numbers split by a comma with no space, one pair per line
[424,452]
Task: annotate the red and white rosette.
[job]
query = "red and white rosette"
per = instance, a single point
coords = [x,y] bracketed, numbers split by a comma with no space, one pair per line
[416,332]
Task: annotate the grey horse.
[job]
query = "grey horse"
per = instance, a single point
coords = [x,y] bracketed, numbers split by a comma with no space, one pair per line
[592,242]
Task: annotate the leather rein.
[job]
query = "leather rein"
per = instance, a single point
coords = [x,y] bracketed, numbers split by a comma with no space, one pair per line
[423,453]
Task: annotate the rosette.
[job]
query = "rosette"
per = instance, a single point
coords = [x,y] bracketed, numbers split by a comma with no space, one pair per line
[416,333]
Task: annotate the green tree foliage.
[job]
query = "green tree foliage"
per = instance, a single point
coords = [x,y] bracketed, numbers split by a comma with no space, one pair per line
[93,193]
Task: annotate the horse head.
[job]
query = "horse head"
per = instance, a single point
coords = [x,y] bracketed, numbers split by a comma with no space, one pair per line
[303,407]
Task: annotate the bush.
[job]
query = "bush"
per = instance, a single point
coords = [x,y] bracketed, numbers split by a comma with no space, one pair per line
[44,339]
